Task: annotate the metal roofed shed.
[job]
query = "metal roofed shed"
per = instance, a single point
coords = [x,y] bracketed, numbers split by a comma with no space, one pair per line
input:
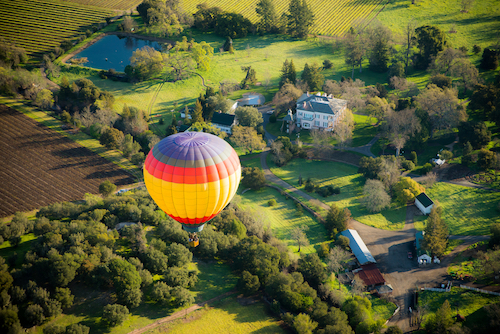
[371,275]
[358,247]
[424,203]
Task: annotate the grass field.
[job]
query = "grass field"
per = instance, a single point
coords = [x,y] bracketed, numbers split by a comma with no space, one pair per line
[467,211]
[282,218]
[469,303]
[479,26]
[40,25]
[332,18]
[351,189]
[227,316]
[109,4]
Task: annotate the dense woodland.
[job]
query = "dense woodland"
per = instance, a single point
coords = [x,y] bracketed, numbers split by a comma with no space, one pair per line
[78,245]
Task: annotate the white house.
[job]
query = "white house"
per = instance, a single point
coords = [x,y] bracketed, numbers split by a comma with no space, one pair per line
[224,122]
[423,256]
[319,111]
[424,203]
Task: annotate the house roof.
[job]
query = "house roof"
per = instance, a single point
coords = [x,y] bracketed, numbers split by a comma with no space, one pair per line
[419,239]
[424,199]
[358,247]
[371,275]
[321,103]
[223,119]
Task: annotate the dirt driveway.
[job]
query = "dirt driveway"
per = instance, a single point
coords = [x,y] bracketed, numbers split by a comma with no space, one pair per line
[390,250]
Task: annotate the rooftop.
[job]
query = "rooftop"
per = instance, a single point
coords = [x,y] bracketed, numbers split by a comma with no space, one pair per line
[358,247]
[425,200]
[321,103]
[371,275]
[223,119]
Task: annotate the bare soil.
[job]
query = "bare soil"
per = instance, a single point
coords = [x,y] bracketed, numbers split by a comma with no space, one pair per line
[38,166]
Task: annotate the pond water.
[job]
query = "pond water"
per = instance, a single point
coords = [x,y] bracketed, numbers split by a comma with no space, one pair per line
[113,51]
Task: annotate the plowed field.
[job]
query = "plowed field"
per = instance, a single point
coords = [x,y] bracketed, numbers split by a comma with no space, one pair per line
[39,166]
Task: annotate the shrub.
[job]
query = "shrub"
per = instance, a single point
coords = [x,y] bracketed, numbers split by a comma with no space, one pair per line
[427,168]
[446,155]
[115,314]
[408,165]
[272,118]
[486,159]
[272,202]
[324,250]
[413,157]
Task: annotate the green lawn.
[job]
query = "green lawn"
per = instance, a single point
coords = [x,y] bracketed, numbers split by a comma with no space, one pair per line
[227,316]
[282,218]
[469,303]
[479,26]
[351,189]
[6,250]
[467,211]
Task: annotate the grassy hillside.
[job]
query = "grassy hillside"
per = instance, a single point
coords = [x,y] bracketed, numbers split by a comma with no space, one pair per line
[479,26]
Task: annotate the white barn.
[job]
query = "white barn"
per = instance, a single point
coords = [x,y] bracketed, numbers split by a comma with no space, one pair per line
[424,203]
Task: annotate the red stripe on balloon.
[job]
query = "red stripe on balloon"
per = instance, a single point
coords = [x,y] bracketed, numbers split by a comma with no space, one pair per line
[206,174]
[192,221]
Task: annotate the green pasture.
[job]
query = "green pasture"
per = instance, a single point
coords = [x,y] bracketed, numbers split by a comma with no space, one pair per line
[6,250]
[253,162]
[466,211]
[226,316]
[351,189]
[469,303]
[478,26]
[282,218]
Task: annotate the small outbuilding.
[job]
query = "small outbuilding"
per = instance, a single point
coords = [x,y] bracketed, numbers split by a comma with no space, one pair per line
[423,256]
[371,275]
[424,203]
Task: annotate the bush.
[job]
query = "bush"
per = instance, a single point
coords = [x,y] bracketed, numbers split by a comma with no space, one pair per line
[115,314]
[427,168]
[408,165]
[486,159]
[272,118]
[446,155]
[324,250]
[413,157]
[272,202]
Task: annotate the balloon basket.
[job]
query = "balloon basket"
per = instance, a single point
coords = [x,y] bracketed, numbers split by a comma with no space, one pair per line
[194,243]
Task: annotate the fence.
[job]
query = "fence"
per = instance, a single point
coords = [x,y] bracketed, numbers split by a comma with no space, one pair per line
[479,290]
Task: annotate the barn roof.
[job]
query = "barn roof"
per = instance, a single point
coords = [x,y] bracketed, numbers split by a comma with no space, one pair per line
[222,119]
[358,247]
[424,199]
[371,275]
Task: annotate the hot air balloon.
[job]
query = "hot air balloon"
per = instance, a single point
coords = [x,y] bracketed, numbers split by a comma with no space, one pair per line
[192,176]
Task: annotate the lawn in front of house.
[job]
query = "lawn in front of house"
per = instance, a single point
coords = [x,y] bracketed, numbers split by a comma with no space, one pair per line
[283,218]
[351,189]
[466,211]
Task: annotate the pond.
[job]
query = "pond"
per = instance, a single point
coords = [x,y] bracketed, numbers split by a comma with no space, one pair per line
[113,51]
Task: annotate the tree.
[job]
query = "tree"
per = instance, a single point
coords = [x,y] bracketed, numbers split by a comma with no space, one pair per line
[77,329]
[336,219]
[466,5]
[34,314]
[378,107]
[443,107]
[126,281]
[181,64]
[379,39]
[249,283]
[441,80]
[248,116]
[233,25]
[441,321]
[476,133]
[146,62]
[161,293]
[250,78]
[288,73]
[312,269]
[436,232]
[375,197]
[400,125]
[286,98]
[107,188]
[495,235]
[484,98]
[406,189]
[343,129]
[299,19]
[182,296]
[338,259]
[393,330]
[409,41]
[115,314]
[197,115]
[430,40]
[463,68]
[489,61]
[303,324]
[247,138]
[486,159]
[354,50]
[313,77]
[253,178]
[111,138]
[129,24]
[298,234]
[44,99]
[268,17]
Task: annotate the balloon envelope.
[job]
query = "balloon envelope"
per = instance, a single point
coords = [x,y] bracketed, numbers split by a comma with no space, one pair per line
[192,176]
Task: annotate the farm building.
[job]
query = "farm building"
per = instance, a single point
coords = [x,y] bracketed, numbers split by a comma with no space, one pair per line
[371,275]
[252,99]
[319,111]
[358,247]
[424,203]
[423,257]
[224,122]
